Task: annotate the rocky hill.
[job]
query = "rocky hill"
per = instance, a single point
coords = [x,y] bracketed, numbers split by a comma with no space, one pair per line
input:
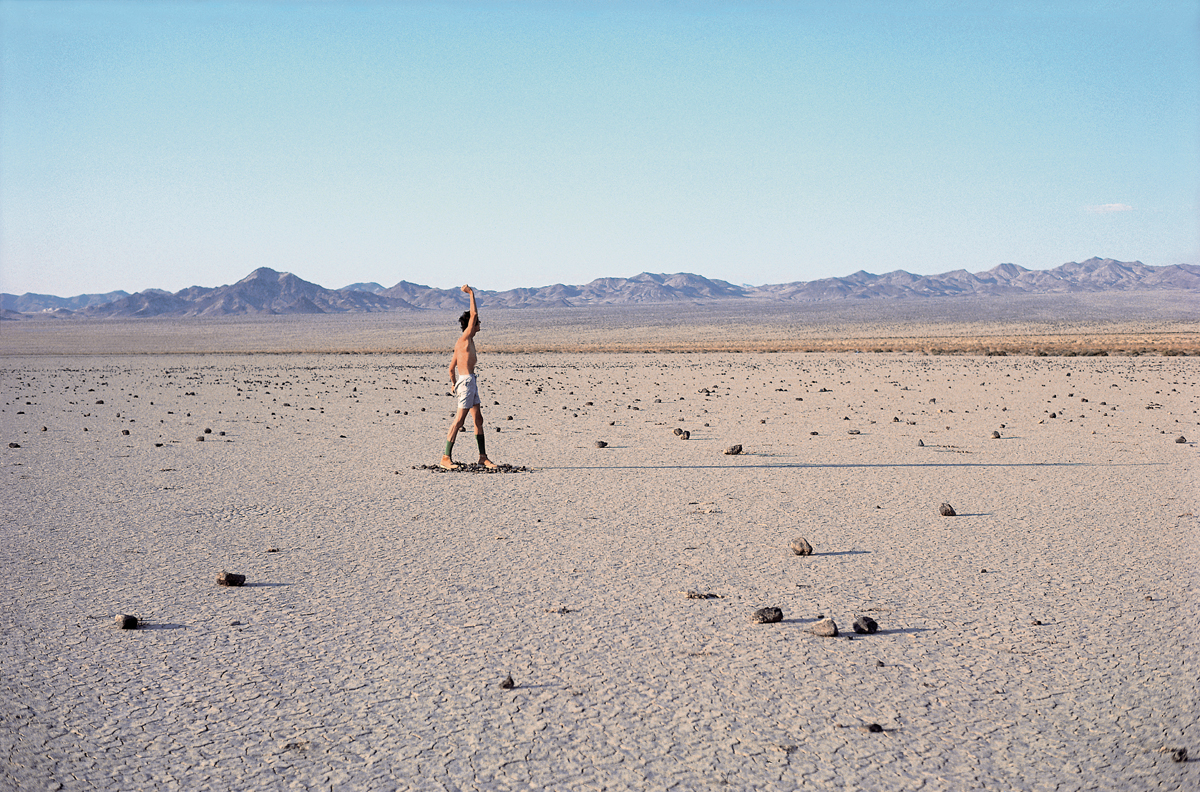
[266,291]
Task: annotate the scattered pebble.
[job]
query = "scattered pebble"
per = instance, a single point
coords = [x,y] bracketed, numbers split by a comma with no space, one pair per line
[693,594]
[920,442]
[766,616]
[946,510]
[1181,439]
[1179,755]
[801,547]
[825,628]
[507,683]
[678,431]
[14,445]
[733,450]
[126,622]
[995,435]
[865,625]
[601,444]
[231,579]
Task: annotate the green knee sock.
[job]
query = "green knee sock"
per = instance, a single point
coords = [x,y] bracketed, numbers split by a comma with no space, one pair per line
[479,442]
[449,447]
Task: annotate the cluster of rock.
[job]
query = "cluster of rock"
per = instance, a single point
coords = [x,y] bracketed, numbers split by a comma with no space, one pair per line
[474,467]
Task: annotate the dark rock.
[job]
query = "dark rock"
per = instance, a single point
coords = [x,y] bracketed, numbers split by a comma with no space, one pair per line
[124,431]
[946,510]
[99,401]
[1179,755]
[200,438]
[874,728]
[854,431]
[14,445]
[207,431]
[814,434]
[231,579]
[879,664]
[921,443]
[766,616]
[507,683]
[678,431]
[733,450]
[1181,439]
[825,628]
[995,435]
[865,625]
[126,622]
[801,547]
[601,444]
[685,435]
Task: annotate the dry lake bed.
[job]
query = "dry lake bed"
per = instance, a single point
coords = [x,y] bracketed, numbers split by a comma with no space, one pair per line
[1043,638]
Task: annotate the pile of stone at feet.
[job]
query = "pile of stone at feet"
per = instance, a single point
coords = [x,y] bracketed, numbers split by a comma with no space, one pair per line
[474,467]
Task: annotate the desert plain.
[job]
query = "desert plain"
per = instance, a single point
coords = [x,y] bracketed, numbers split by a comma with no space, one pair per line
[1043,638]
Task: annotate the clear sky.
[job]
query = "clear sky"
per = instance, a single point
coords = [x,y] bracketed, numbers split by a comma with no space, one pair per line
[169,144]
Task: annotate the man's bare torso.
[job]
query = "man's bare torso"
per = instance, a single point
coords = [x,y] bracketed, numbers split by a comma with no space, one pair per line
[465,356]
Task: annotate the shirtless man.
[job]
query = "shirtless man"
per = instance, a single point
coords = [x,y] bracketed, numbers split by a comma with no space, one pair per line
[462,378]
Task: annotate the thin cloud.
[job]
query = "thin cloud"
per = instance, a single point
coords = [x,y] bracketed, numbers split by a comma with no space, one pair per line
[1108,208]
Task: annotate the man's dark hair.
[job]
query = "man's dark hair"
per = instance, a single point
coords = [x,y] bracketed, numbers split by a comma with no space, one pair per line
[465,319]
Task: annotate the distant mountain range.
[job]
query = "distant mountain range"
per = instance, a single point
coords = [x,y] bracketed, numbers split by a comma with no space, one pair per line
[267,292]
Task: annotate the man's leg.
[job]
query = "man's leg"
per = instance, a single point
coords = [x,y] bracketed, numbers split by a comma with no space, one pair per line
[477,414]
[459,419]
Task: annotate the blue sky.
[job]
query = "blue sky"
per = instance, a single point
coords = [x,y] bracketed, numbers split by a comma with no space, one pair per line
[170,144]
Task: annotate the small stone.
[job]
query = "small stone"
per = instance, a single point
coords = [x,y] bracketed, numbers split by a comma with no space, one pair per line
[601,444]
[920,443]
[1181,439]
[14,445]
[946,510]
[813,433]
[865,625]
[766,616]
[801,547]
[854,431]
[733,450]
[1036,622]
[207,431]
[200,439]
[272,549]
[1179,755]
[874,728]
[126,622]
[685,435]
[995,435]
[678,431]
[825,628]
[879,664]
[507,683]
[231,579]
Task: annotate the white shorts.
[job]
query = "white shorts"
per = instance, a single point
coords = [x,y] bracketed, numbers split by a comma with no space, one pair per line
[467,391]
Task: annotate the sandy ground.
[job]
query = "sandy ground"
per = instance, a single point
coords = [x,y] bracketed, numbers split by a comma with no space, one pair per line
[1043,639]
